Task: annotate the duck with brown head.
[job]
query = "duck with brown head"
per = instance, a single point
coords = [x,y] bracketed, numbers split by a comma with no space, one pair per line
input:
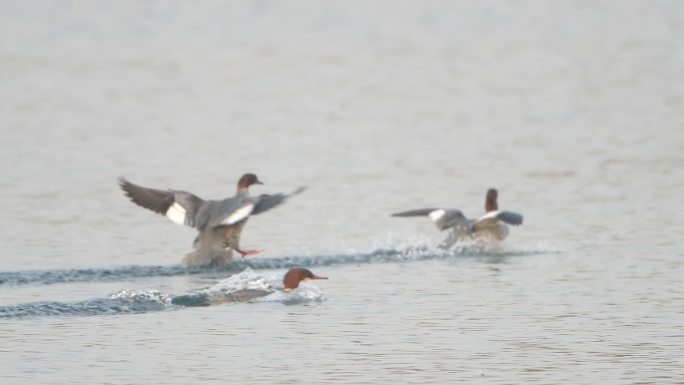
[251,286]
[246,181]
[219,222]
[492,225]
[296,275]
[291,281]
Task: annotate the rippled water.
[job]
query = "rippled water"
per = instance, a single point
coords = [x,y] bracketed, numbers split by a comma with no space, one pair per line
[572,109]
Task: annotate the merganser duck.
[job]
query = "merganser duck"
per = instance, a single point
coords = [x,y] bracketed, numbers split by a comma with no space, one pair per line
[219,223]
[492,225]
[291,281]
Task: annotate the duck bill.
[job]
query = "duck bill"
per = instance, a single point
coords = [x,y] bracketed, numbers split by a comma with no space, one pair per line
[318,277]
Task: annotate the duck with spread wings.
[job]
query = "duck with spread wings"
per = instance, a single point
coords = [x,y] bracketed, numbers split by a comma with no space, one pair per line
[219,222]
[492,225]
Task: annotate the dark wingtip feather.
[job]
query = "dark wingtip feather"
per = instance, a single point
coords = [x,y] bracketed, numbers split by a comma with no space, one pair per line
[414,213]
[127,187]
[156,200]
[299,190]
[510,218]
[401,214]
[124,184]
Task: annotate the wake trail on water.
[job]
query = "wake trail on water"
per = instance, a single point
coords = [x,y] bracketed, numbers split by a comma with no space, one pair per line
[247,286]
[378,255]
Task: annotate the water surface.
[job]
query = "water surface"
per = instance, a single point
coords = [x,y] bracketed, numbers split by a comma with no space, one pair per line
[573,110]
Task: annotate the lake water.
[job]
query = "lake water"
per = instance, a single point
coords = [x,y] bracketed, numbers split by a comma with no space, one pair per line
[574,110]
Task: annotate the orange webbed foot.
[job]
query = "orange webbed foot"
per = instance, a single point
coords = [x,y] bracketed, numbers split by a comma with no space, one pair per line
[248,252]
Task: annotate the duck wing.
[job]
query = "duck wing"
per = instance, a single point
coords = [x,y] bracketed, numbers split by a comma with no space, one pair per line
[226,212]
[266,202]
[443,218]
[493,217]
[180,207]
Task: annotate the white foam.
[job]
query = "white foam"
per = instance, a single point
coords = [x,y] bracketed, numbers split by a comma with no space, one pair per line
[142,295]
[246,280]
[304,293]
[249,280]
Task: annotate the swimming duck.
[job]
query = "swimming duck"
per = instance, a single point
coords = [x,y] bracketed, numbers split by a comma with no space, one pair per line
[219,223]
[291,281]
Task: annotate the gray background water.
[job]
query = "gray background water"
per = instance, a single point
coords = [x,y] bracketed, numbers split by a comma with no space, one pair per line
[572,109]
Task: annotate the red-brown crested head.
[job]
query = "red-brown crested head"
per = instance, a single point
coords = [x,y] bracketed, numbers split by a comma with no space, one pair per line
[248,180]
[296,275]
[490,202]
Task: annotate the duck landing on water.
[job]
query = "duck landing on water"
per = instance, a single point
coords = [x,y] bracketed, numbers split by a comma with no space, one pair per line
[219,223]
[491,226]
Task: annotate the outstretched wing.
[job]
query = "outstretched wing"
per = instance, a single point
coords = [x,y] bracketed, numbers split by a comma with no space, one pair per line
[510,217]
[266,202]
[226,212]
[414,213]
[443,218]
[234,210]
[491,219]
[179,206]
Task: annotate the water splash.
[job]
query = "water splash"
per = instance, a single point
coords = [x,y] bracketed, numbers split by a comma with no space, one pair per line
[249,286]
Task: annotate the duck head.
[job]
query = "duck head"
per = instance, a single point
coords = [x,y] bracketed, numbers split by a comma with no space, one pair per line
[296,275]
[490,202]
[246,181]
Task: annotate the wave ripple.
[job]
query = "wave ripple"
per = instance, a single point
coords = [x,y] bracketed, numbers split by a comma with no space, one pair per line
[123,302]
[246,286]
[381,255]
